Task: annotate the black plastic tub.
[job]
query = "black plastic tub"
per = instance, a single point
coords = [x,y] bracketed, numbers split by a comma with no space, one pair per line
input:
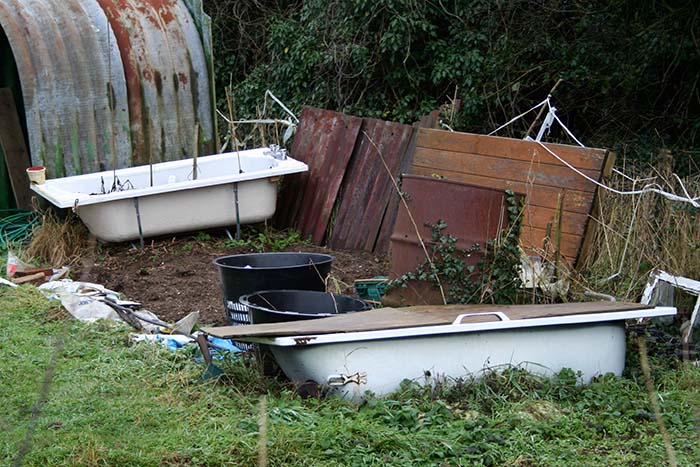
[275,306]
[245,274]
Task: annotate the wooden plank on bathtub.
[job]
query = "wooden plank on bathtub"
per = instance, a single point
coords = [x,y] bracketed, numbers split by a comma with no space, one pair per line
[416,316]
[14,149]
[325,141]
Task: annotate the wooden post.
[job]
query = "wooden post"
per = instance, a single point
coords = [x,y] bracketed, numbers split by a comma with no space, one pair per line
[591,226]
[14,149]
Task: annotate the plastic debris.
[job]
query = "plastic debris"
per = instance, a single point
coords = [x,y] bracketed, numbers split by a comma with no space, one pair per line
[8,283]
[220,347]
[15,265]
[85,302]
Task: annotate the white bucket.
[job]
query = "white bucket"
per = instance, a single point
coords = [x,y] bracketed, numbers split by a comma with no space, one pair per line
[37,174]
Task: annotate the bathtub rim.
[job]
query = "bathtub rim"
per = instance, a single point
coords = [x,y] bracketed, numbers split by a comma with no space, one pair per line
[51,191]
[421,331]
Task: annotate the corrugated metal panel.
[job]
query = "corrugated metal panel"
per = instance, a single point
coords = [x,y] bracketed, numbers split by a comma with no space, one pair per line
[63,56]
[167,77]
[325,141]
[141,84]
[204,23]
[367,188]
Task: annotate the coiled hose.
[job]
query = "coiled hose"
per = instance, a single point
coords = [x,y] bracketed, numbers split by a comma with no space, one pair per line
[16,226]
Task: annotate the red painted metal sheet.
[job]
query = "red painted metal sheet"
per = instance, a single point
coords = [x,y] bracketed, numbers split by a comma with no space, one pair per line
[473,214]
[166,75]
[324,141]
[367,187]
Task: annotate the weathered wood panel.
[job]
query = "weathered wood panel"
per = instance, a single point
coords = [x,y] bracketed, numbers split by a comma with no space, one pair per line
[524,167]
[508,148]
[14,149]
[367,187]
[415,316]
[325,141]
[574,201]
[505,169]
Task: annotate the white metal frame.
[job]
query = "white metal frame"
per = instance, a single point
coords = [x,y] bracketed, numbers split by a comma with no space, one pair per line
[687,285]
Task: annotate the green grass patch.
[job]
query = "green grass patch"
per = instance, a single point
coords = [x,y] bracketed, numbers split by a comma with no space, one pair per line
[113,403]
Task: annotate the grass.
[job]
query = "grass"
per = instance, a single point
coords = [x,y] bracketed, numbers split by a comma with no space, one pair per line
[112,403]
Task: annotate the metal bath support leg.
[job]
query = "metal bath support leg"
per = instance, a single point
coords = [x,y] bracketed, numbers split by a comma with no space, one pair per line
[238,213]
[138,220]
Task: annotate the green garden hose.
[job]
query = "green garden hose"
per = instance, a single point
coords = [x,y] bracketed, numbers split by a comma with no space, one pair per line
[16,226]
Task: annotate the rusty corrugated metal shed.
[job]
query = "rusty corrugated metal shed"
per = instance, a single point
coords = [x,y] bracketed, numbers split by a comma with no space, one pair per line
[63,56]
[167,77]
[126,94]
[367,187]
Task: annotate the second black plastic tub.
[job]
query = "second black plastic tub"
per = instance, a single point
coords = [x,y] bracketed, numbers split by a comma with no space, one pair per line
[275,306]
[245,274]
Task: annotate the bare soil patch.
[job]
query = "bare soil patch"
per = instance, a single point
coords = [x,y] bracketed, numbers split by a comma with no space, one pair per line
[173,277]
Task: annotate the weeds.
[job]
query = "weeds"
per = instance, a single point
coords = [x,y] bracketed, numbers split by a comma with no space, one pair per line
[260,241]
[626,247]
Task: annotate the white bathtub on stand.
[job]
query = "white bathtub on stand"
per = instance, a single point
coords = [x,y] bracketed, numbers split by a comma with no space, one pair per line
[175,202]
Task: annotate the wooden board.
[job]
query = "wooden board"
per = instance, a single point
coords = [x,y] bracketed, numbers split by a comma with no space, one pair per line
[544,196]
[509,169]
[512,149]
[527,168]
[14,149]
[325,141]
[396,318]
[367,187]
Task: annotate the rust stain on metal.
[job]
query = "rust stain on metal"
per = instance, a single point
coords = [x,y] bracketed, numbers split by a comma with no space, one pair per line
[75,103]
[367,187]
[325,141]
[109,83]
[473,215]
[161,49]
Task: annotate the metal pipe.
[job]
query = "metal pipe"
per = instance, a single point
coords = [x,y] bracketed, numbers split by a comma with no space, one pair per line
[238,213]
[138,220]
[602,296]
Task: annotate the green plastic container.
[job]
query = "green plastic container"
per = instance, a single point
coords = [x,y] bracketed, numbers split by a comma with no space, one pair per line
[371,289]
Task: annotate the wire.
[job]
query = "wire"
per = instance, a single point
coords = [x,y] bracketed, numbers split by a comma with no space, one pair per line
[650,188]
[519,117]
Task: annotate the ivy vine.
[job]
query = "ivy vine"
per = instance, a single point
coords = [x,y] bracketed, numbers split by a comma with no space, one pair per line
[494,278]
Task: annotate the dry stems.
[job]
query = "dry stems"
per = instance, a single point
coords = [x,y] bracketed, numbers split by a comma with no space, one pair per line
[58,242]
[664,235]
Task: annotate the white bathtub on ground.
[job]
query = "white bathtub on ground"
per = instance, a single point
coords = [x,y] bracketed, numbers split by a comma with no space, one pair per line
[352,363]
[175,202]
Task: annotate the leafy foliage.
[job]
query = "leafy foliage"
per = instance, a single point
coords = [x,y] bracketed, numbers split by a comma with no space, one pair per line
[262,241]
[627,66]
